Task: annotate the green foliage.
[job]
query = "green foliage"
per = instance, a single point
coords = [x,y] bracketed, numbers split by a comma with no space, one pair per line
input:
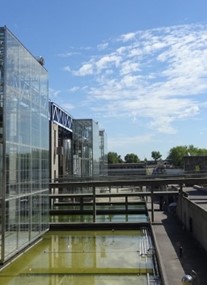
[177,153]
[113,157]
[156,155]
[131,158]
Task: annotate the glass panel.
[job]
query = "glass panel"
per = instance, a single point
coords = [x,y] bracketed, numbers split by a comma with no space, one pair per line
[11,217]
[82,145]
[23,206]
[12,170]
[96,149]
[45,209]
[1,226]
[26,147]
[1,138]
[36,207]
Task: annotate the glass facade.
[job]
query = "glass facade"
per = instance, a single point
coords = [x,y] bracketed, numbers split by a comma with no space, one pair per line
[103,153]
[60,142]
[86,151]
[1,136]
[96,148]
[24,147]
[77,146]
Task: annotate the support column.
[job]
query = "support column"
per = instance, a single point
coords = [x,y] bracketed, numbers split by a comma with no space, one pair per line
[152,203]
[180,201]
[94,204]
[110,193]
[81,204]
[126,203]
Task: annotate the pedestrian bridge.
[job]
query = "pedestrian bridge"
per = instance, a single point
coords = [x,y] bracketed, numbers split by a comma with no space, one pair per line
[96,203]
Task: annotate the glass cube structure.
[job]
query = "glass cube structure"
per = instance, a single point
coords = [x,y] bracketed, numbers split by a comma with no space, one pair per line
[24,147]
[86,146]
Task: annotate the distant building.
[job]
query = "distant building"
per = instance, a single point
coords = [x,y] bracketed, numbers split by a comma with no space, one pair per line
[77,146]
[24,147]
[122,169]
[195,164]
[60,142]
[103,161]
[88,152]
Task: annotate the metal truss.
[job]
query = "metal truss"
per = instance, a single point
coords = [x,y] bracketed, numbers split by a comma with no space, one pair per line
[60,117]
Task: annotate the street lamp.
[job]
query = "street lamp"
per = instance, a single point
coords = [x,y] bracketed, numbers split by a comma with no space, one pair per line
[195,276]
[190,278]
[187,279]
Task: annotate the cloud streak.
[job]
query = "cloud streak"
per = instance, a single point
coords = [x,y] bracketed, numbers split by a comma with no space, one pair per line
[158,74]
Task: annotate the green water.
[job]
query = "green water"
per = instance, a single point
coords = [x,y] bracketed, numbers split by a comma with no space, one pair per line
[83,258]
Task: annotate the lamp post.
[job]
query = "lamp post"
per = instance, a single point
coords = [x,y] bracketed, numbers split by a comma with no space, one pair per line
[190,278]
[187,279]
[195,276]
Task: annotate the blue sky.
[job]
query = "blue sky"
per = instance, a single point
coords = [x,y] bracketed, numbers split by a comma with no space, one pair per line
[139,68]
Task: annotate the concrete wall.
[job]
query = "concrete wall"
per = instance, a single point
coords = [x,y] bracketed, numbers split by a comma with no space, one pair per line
[194,219]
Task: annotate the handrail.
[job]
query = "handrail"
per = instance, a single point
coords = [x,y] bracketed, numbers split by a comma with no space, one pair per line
[147,181]
[105,195]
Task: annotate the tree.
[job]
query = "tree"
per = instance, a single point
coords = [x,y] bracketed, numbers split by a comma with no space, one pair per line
[131,158]
[177,153]
[113,157]
[156,155]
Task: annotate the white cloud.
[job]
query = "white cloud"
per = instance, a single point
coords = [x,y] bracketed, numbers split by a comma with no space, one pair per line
[121,50]
[125,141]
[67,68]
[86,69]
[102,46]
[54,93]
[129,67]
[128,37]
[106,61]
[74,89]
[67,54]
[190,111]
[68,106]
[158,74]
[162,125]
[128,81]
[204,104]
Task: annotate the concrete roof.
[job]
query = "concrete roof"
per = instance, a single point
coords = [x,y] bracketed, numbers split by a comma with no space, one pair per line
[197,196]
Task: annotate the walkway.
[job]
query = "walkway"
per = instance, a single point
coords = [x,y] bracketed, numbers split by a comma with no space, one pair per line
[169,236]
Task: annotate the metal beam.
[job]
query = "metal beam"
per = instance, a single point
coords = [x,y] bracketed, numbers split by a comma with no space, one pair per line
[129,182]
[105,195]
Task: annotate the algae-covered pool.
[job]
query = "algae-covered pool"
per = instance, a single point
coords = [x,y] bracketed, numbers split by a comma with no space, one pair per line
[86,257]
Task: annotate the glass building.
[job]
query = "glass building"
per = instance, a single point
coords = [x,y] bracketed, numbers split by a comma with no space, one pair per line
[86,148]
[60,143]
[24,147]
[77,146]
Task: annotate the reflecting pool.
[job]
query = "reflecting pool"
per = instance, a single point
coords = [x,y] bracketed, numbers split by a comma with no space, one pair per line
[86,257]
[99,219]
